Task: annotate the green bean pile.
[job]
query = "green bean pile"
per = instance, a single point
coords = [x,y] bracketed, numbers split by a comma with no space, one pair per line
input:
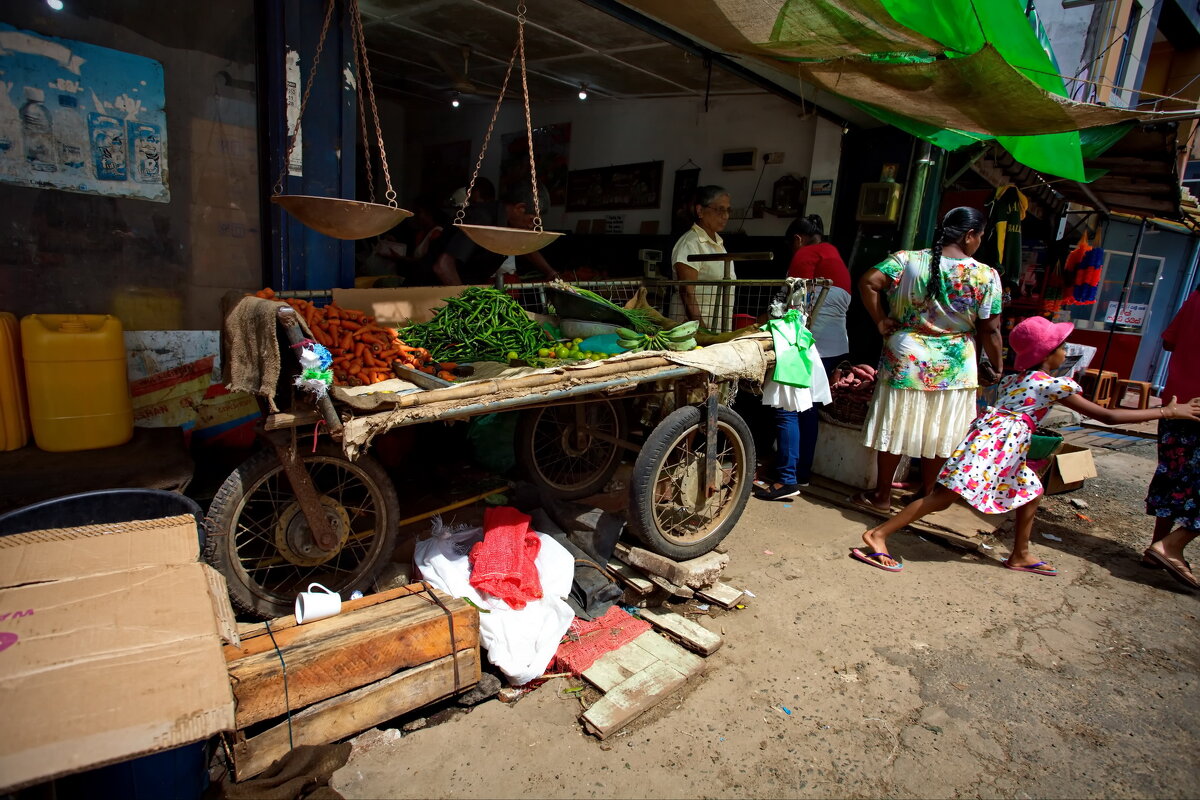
[481,324]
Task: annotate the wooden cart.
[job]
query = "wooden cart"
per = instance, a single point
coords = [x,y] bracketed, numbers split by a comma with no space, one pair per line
[311,508]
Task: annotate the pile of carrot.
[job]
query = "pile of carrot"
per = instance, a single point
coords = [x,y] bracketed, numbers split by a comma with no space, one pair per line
[363,351]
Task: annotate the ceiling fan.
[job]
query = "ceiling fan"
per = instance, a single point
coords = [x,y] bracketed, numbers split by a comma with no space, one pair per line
[459,81]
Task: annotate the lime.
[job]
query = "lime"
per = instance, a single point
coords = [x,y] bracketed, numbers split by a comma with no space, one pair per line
[563,352]
[513,355]
[577,341]
[544,353]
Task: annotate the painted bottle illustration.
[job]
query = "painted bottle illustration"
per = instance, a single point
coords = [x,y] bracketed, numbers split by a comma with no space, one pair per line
[71,133]
[145,148]
[38,132]
[107,136]
[11,146]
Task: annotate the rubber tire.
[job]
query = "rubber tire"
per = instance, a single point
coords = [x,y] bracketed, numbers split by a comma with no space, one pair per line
[655,451]
[220,522]
[527,458]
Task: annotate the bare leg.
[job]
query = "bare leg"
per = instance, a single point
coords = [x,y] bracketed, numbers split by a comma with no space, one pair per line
[1162,526]
[930,469]
[886,464]
[876,538]
[1020,553]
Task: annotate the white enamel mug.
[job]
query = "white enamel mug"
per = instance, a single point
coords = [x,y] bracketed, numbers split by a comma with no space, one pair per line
[314,605]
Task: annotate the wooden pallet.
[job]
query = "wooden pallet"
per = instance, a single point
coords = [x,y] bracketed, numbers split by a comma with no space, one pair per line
[383,656]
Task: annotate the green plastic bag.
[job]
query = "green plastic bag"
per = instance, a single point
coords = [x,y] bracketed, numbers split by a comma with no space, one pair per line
[791,339]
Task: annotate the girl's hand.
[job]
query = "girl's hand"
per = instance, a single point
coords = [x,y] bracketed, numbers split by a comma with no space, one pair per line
[1189,410]
[887,326]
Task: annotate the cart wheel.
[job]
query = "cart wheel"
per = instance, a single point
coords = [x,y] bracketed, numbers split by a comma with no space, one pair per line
[668,508]
[260,541]
[558,451]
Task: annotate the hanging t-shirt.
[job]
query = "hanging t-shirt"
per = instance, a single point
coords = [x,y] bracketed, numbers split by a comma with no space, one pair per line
[1002,240]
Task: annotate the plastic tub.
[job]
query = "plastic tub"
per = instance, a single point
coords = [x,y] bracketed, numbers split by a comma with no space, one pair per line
[76,381]
[96,508]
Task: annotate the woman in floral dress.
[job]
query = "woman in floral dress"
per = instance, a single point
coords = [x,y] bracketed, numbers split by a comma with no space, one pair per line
[941,303]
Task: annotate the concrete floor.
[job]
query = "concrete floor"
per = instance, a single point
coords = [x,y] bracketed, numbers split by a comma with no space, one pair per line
[955,678]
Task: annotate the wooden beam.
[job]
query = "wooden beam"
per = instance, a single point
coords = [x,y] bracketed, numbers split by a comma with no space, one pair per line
[335,655]
[351,713]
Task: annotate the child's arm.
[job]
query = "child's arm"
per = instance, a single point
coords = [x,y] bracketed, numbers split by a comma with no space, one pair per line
[1112,416]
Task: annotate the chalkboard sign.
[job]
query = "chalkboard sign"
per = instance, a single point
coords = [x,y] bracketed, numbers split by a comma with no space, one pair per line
[611,188]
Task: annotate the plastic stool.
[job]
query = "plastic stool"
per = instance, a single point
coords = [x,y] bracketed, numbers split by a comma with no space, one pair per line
[1141,387]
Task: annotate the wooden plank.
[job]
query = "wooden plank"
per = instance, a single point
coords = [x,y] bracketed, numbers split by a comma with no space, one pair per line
[722,594]
[630,576]
[249,630]
[631,698]
[284,419]
[335,655]
[357,711]
[671,654]
[693,636]
[615,667]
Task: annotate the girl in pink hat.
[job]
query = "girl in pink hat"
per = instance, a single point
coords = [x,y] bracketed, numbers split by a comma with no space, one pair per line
[988,470]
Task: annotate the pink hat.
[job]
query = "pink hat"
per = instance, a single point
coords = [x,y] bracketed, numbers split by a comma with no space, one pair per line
[1034,338]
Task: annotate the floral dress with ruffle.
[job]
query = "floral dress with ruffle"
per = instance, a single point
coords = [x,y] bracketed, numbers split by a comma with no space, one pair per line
[988,469]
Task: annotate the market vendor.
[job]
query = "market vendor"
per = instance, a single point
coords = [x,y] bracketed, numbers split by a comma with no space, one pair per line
[710,212]
[464,262]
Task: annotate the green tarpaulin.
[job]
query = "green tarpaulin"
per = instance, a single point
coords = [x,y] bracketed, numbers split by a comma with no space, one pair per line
[950,71]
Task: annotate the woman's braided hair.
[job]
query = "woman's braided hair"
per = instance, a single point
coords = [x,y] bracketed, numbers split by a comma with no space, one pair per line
[957,223]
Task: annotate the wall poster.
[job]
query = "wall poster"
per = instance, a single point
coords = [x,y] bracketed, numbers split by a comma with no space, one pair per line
[551,148]
[81,118]
[626,186]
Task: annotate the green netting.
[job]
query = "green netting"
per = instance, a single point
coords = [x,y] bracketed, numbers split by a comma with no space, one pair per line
[963,27]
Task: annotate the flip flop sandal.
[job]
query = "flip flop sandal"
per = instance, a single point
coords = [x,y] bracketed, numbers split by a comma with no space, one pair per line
[1177,571]
[1040,568]
[1150,563]
[873,560]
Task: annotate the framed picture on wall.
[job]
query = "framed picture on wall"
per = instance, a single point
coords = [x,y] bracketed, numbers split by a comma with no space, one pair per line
[822,187]
[627,186]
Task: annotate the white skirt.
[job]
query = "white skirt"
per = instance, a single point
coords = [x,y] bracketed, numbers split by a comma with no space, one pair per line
[919,424]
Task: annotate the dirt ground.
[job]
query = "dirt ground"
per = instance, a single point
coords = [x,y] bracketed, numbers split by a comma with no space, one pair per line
[955,678]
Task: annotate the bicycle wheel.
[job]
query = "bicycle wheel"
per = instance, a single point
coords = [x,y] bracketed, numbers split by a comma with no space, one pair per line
[259,539]
[559,451]
[668,507]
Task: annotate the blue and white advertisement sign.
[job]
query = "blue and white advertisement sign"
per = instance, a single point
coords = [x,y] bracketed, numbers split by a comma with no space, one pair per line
[81,118]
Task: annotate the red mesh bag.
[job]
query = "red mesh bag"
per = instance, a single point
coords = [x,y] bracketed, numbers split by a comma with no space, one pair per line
[503,563]
[587,641]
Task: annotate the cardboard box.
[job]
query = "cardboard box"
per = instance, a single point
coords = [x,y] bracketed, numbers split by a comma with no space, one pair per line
[1069,468]
[110,647]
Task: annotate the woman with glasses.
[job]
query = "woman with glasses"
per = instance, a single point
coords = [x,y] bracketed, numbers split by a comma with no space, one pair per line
[711,213]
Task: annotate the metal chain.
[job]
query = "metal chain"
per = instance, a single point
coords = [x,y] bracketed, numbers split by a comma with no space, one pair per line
[390,193]
[312,74]
[362,120]
[537,205]
[462,210]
